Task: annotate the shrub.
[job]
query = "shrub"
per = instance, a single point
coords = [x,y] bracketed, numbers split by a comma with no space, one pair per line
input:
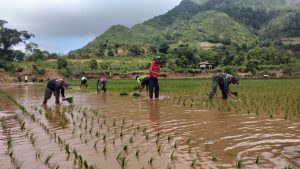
[62,63]
[7,66]
[93,64]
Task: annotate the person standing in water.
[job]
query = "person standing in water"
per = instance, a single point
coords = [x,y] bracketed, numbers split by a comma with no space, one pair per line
[154,72]
[101,84]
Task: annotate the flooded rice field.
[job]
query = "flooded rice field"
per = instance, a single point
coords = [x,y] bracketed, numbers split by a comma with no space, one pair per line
[112,131]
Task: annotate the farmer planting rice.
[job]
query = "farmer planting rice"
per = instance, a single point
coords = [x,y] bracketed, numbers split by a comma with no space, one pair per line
[142,82]
[223,80]
[154,72]
[56,86]
[83,82]
[101,84]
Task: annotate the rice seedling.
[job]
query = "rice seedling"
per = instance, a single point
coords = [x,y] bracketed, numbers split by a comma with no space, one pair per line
[193,163]
[95,145]
[114,123]
[18,164]
[67,149]
[258,159]
[97,134]
[122,160]
[48,158]
[114,141]
[104,149]
[157,140]
[9,143]
[157,134]
[239,163]
[288,167]
[159,149]
[75,154]
[175,145]
[80,159]
[121,134]
[169,166]
[137,152]
[125,147]
[169,139]
[173,157]
[214,158]
[151,161]
[147,136]
[85,164]
[131,140]
[38,154]
[189,140]
[206,146]
[22,125]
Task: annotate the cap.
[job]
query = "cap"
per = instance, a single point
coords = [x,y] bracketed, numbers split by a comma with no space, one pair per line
[235,79]
[157,57]
[66,84]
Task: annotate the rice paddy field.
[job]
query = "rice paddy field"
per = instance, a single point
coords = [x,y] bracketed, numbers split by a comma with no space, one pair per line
[180,130]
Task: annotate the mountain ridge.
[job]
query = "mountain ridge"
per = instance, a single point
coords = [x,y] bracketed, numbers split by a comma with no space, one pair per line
[194,21]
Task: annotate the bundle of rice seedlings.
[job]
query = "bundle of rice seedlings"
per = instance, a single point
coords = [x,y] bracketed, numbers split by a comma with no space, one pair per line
[136,94]
[69,99]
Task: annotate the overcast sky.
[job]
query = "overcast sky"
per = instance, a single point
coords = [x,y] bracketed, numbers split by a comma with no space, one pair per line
[64,25]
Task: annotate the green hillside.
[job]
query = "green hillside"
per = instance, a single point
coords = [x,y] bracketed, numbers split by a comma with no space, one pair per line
[194,21]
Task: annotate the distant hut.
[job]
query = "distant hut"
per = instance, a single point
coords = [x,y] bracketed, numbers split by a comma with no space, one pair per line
[205,65]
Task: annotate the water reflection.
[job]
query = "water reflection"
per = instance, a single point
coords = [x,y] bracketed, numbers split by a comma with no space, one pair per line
[154,115]
[56,116]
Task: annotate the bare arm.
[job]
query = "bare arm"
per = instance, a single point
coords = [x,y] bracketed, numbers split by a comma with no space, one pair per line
[231,94]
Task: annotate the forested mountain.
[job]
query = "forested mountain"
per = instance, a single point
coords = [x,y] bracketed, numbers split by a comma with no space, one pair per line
[218,22]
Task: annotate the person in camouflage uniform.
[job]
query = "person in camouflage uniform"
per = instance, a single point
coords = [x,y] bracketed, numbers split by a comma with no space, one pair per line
[223,80]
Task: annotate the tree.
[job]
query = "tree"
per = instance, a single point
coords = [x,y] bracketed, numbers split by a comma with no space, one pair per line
[136,51]
[62,63]
[93,64]
[29,47]
[252,65]
[18,55]
[163,48]
[186,56]
[10,38]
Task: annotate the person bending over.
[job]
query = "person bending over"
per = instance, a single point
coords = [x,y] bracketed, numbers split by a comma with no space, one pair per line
[56,86]
[223,80]
[143,81]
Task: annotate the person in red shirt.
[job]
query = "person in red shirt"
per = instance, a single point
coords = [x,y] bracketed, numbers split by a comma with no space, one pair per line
[154,72]
[101,84]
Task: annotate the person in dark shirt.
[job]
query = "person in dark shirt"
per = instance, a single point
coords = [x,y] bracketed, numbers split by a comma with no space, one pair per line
[223,80]
[56,86]
[101,84]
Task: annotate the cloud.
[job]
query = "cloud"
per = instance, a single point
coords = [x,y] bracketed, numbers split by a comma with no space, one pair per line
[63,19]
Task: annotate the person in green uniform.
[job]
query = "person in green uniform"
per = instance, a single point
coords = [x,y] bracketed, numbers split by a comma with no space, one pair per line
[223,80]
[143,81]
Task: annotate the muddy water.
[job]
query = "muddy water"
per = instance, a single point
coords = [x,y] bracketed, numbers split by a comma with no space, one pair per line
[163,134]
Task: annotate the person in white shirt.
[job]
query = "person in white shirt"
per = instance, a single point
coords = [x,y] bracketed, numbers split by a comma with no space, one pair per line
[83,82]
